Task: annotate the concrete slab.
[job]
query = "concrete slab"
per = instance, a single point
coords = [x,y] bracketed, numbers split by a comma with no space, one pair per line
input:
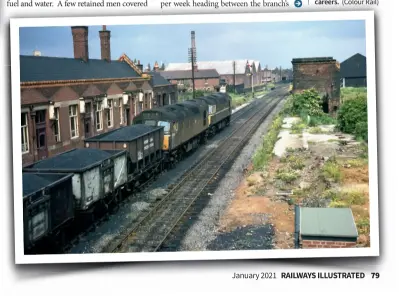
[289,121]
[287,140]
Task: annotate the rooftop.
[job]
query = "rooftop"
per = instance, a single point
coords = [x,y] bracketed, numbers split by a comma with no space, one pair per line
[41,68]
[313,60]
[327,222]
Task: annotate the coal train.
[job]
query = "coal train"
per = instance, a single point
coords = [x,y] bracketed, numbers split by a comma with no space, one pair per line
[59,189]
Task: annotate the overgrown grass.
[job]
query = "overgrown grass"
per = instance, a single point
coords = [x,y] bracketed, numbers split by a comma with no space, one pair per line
[286,175]
[363,225]
[297,127]
[316,130]
[331,170]
[343,199]
[263,155]
[357,162]
[294,161]
[350,93]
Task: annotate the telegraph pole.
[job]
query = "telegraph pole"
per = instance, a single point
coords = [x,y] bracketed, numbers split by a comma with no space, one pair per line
[192,57]
[234,76]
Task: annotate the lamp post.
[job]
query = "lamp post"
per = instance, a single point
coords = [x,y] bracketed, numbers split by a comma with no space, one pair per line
[250,73]
[252,82]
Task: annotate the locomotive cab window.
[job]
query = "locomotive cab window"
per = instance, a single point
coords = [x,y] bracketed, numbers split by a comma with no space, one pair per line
[204,118]
[166,126]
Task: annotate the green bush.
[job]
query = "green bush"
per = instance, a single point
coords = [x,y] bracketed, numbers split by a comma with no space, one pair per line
[308,102]
[352,117]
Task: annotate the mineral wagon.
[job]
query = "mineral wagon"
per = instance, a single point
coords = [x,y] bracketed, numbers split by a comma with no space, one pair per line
[143,144]
[48,205]
[96,173]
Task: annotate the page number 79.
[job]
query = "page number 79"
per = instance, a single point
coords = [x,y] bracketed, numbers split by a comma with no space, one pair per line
[375,275]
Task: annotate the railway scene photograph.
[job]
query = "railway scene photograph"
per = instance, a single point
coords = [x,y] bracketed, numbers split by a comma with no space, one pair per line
[194,137]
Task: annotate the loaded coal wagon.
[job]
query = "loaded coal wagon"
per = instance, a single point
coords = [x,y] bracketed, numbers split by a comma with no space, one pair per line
[143,144]
[48,205]
[97,174]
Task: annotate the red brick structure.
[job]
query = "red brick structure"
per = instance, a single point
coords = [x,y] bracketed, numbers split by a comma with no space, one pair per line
[65,100]
[105,37]
[317,228]
[322,74]
[206,79]
[80,36]
[313,244]
[236,72]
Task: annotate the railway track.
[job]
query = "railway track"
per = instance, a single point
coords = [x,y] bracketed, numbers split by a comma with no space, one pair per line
[148,232]
[103,218]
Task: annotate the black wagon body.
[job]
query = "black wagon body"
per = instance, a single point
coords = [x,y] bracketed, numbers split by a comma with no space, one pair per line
[48,205]
[143,144]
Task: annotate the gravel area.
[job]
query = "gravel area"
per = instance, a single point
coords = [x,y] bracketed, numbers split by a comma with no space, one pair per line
[200,236]
[245,238]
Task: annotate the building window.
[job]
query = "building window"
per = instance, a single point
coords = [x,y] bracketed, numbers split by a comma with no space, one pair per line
[40,116]
[73,121]
[88,109]
[121,110]
[110,113]
[99,116]
[24,133]
[56,127]
[206,80]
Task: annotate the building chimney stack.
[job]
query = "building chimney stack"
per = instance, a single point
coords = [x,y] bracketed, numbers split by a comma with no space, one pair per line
[139,65]
[105,36]
[80,36]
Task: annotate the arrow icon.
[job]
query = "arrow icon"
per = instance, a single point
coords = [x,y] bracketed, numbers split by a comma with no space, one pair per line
[298,3]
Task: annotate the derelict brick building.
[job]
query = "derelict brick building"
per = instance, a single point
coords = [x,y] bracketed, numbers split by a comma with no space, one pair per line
[322,74]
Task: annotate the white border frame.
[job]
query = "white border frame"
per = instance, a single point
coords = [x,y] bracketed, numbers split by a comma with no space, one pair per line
[367,16]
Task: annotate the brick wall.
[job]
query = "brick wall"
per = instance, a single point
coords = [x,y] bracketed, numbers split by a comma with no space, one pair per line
[323,76]
[199,83]
[243,79]
[313,244]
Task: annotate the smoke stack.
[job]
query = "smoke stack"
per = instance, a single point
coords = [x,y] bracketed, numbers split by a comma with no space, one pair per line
[105,36]
[80,42]
[139,65]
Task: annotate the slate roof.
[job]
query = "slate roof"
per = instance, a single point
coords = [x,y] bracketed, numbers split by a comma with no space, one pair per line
[355,66]
[222,67]
[187,74]
[41,68]
[33,183]
[157,79]
[124,134]
[72,161]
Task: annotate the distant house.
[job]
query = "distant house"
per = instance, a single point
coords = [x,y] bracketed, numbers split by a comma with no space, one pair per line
[244,73]
[353,71]
[205,79]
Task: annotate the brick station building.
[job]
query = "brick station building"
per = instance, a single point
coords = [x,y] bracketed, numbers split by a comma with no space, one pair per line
[65,100]
[322,74]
